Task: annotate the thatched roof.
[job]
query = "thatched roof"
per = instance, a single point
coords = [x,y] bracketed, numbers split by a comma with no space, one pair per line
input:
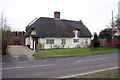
[50,27]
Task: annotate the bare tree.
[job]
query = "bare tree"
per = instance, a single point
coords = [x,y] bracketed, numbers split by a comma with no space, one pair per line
[116,23]
[5,32]
[0,41]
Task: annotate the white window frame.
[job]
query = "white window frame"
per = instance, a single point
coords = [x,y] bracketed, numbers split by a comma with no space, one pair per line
[33,32]
[49,41]
[63,41]
[86,42]
[75,40]
[75,33]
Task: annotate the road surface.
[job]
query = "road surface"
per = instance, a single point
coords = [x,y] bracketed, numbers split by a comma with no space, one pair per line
[60,67]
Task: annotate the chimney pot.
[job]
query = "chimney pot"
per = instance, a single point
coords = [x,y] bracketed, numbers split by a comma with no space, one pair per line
[57,15]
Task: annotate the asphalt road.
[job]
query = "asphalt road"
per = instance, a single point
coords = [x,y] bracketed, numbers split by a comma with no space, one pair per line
[60,67]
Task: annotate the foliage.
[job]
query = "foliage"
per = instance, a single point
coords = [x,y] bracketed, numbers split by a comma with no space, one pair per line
[6,31]
[96,42]
[42,45]
[0,41]
[56,46]
[106,34]
[117,25]
[5,40]
[77,46]
[104,74]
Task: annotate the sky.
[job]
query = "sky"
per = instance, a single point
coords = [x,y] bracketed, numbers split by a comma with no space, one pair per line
[95,14]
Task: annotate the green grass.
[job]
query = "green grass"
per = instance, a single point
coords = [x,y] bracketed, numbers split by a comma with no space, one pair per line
[73,52]
[104,74]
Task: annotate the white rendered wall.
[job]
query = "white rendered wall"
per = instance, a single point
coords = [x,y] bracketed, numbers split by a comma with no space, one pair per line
[69,42]
[27,41]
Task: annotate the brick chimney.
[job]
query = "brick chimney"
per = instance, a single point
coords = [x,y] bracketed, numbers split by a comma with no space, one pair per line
[57,15]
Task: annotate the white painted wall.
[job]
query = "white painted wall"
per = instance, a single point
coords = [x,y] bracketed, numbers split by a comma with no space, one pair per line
[69,42]
[27,41]
[31,42]
[83,42]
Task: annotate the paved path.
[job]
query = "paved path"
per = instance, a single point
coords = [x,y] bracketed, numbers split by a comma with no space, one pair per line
[19,50]
[60,67]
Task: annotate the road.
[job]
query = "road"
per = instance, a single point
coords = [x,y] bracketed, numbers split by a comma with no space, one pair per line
[60,67]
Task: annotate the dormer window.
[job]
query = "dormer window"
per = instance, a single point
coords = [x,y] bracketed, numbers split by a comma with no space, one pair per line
[76,33]
[33,32]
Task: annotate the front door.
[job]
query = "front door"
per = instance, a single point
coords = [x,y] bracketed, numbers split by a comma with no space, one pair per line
[35,43]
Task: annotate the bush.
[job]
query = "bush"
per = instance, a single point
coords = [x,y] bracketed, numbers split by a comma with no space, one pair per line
[77,46]
[56,46]
[96,42]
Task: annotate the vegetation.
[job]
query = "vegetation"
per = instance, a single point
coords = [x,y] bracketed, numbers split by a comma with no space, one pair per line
[96,42]
[73,52]
[103,74]
[106,34]
[5,29]
[5,40]
[0,42]
[117,24]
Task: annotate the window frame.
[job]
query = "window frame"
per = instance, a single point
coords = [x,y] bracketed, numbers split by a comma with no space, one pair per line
[49,41]
[63,41]
[75,40]
[33,32]
[86,41]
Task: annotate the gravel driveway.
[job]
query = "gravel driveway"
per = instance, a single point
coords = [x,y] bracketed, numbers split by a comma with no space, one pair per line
[20,51]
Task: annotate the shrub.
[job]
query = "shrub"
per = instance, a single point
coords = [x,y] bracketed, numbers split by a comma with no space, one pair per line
[77,46]
[56,46]
[96,42]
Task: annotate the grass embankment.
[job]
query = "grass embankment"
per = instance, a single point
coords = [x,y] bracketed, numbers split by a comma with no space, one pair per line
[104,74]
[73,52]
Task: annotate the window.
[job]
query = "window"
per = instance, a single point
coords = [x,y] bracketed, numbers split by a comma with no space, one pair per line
[76,32]
[86,42]
[33,32]
[63,41]
[49,41]
[76,40]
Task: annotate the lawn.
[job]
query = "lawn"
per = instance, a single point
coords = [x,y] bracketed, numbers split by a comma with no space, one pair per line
[69,52]
[104,74]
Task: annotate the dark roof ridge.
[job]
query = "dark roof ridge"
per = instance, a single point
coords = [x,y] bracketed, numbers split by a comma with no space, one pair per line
[61,19]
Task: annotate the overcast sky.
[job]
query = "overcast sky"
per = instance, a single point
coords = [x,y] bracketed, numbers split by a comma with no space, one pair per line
[95,14]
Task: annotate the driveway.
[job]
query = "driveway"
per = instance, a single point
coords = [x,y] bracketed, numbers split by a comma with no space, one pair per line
[18,53]
[17,50]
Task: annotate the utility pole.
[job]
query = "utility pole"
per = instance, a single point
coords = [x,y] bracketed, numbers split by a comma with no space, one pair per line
[112,31]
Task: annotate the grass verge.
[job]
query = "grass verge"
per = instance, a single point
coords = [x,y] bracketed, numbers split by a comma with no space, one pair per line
[104,74]
[74,52]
